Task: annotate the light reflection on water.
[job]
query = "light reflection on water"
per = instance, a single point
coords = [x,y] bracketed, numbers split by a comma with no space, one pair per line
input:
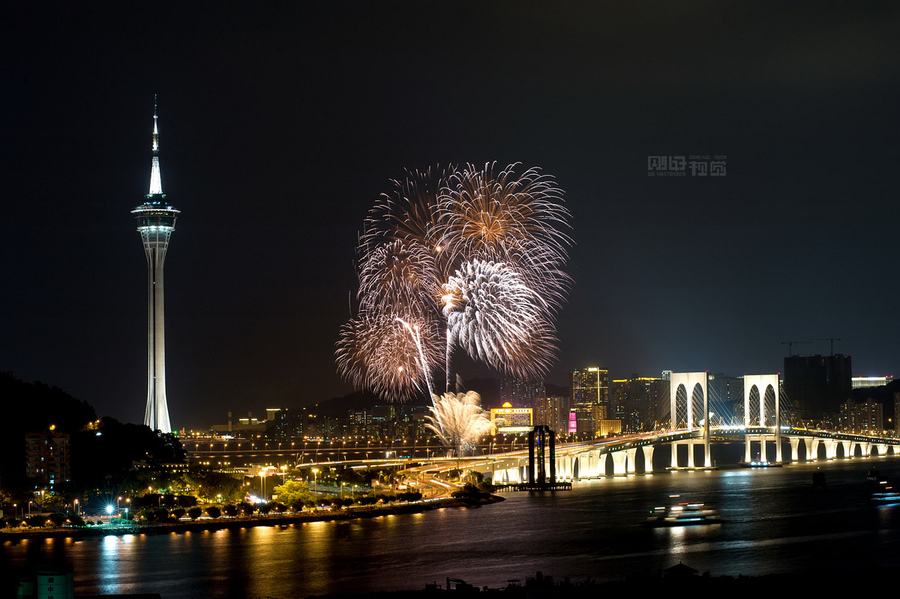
[775,521]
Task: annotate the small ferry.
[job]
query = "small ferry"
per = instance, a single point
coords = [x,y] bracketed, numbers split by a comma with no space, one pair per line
[759,464]
[886,495]
[683,514]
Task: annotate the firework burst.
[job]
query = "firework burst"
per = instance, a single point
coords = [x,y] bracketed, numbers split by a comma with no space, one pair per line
[459,420]
[509,218]
[388,354]
[498,319]
[471,257]
[399,277]
[408,214]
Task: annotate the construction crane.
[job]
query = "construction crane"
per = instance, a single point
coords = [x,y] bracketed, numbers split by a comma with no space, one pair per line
[831,340]
[791,344]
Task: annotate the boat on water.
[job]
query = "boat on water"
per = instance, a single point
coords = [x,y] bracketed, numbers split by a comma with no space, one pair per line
[683,514]
[886,494]
[759,464]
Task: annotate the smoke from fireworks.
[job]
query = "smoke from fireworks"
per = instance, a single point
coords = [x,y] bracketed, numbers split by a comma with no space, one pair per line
[469,256]
[459,419]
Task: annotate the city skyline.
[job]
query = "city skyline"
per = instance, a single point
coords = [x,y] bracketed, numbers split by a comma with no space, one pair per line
[283,125]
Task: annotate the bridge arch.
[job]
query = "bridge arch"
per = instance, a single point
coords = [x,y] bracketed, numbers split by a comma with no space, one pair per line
[765,392]
[694,387]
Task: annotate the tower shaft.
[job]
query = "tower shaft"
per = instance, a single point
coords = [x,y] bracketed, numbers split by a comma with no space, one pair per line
[156,414]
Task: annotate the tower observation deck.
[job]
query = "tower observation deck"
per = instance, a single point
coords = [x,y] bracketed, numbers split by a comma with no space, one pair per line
[156,221]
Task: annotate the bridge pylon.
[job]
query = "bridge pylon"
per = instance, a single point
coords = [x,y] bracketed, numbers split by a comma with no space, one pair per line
[762,383]
[692,382]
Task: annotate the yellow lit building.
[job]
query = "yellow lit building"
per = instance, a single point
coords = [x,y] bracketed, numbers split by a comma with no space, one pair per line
[508,419]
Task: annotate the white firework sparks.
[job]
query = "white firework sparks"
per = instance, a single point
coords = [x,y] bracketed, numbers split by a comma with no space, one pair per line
[399,277]
[498,319]
[509,218]
[378,351]
[469,256]
[459,420]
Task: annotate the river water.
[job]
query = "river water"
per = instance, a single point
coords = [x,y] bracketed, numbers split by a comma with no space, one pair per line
[775,521]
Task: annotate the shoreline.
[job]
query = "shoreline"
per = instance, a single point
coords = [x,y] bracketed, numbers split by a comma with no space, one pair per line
[225,523]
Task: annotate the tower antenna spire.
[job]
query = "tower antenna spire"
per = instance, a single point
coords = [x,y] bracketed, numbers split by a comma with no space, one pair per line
[155,176]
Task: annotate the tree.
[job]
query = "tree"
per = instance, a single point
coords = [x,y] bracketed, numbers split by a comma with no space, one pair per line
[36,521]
[209,485]
[146,516]
[195,512]
[108,450]
[213,512]
[293,493]
[57,518]
[76,520]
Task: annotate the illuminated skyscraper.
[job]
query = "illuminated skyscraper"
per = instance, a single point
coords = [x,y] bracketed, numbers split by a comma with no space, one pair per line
[590,400]
[156,221]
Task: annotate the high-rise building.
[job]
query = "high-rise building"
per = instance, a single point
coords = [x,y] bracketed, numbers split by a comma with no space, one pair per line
[726,398]
[156,221]
[637,402]
[521,392]
[590,400]
[862,417]
[47,458]
[817,385]
[553,411]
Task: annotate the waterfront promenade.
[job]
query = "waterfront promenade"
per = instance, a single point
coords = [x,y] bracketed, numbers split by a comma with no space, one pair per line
[226,523]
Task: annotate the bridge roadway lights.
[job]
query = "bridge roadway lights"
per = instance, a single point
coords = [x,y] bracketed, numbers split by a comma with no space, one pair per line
[591,462]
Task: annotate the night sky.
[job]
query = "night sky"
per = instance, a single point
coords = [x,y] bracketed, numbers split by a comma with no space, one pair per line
[281,123]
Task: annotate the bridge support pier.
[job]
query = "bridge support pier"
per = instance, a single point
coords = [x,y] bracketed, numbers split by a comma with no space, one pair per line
[620,459]
[648,458]
[630,464]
